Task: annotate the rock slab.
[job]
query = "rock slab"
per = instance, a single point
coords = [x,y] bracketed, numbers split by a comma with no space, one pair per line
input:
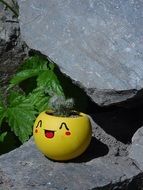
[26,168]
[12,48]
[99,44]
[136,148]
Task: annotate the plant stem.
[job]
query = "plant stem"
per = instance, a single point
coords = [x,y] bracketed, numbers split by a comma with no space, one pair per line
[11,8]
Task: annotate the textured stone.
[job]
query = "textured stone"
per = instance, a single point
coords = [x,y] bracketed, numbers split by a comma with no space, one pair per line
[26,168]
[136,149]
[97,43]
[12,49]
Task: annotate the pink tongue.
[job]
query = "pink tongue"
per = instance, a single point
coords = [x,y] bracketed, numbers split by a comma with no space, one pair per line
[49,134]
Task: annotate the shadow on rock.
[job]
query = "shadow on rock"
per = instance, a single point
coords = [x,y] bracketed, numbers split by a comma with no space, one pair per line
[96,149]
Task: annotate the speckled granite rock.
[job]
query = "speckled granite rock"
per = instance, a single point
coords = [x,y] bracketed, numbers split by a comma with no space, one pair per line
[97,43]
[26,168]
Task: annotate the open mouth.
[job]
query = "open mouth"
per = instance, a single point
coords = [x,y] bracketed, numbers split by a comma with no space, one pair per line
[49,134]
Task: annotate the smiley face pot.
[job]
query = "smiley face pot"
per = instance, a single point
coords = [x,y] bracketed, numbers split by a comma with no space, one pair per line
[62,138]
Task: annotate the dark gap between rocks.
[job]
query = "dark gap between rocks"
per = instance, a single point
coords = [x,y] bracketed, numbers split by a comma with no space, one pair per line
[136,183]
[120,122]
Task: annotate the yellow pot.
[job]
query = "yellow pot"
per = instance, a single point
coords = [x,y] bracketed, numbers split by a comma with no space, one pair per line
[62,138]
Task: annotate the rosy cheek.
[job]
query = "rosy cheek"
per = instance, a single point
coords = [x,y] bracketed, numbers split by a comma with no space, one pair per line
[36,130]
[68,133]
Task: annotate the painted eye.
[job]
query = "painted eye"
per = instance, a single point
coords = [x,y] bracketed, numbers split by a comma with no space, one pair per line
[65,125]
[39,124]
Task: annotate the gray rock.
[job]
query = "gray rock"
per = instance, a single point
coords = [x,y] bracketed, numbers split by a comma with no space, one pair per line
[97,43]
[25,168]
[12,49]
[136,149]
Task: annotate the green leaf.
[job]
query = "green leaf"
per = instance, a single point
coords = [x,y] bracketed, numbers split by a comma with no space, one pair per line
[23,75]
[39,99]
[33,66]
[2,115]
[2,136]
[2,109]
[14,98]
[20,116]
[49,81]
[35,62]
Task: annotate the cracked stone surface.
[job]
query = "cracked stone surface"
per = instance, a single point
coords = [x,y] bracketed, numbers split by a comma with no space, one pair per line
[97,43]
[26,168]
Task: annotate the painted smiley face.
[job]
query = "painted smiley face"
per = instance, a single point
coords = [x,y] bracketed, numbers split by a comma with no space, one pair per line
[51,133]
[62,138]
